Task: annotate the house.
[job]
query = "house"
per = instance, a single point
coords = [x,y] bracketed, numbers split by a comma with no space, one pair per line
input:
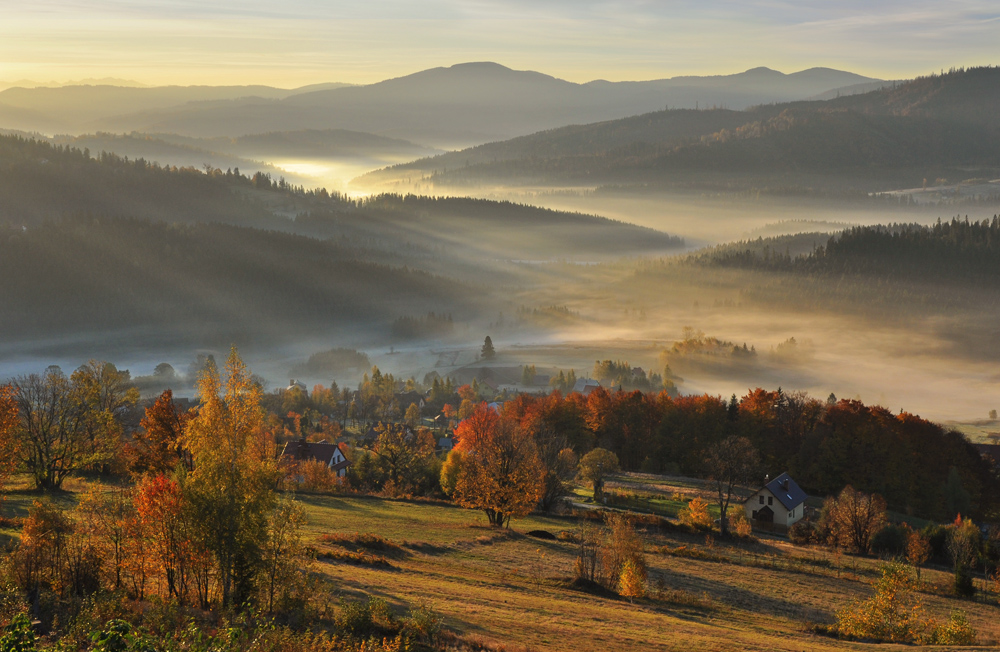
[779,502]
[405,399]
[445,443]
[296,385]
[585,386]
[333,455]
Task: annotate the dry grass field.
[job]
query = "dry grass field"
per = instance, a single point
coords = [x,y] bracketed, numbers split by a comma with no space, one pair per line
[510,590]
[515,590]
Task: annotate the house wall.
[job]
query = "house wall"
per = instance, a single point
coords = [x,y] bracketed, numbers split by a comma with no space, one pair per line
[782,516]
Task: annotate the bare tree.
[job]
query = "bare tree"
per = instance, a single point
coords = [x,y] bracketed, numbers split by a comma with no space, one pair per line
[855,517]
[731,462]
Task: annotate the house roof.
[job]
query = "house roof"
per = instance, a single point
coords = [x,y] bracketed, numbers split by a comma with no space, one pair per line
[585,385]
[786,491]
[303,450]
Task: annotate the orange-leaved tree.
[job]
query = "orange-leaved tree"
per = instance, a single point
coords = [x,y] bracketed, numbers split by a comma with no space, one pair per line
[156,448]
[501,471]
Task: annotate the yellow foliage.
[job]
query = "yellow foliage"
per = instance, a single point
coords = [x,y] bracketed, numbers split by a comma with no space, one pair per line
[695,515]
[892,614]
[632,581]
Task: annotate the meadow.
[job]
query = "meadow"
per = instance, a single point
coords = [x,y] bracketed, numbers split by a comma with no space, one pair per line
[506,589]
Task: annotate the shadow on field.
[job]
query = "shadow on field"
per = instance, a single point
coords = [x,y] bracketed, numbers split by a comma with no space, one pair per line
[741,598]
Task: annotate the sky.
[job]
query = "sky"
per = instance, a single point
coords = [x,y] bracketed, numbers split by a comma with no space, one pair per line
[290,43]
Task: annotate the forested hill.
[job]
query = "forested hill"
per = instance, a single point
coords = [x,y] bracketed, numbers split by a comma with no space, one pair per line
[956,251]
[928,128]
[42,182]
[201,280]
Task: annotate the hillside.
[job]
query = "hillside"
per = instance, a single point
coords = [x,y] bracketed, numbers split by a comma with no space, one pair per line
[74,108]
[933,127]
[113,243]
[474,103]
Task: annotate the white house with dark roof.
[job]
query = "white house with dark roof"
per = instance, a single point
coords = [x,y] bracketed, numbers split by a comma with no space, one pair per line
[333,455]
[779,502]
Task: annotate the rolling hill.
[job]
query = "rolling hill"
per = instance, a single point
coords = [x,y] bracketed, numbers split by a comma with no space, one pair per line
[930,127]
[462,104]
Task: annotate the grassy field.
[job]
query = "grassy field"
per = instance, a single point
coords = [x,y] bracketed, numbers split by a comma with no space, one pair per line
[503,587]
[513,589]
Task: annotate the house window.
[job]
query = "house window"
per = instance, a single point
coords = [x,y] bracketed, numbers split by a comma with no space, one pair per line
[761,500]
[770,500]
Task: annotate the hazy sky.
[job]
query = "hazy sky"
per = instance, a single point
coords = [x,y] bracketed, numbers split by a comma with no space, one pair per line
[294,42]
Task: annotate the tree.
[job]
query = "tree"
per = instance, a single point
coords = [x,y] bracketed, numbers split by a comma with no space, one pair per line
[501,472]
[235,471]
[51,428]
[9,443]
[156,447]
[488,352]
[403,456]
[632,582]
[963,548]
[623,547]
[731,462]
[412,415]
[109,517]
[107,396]
[855,517]
[284,543]
[450,472]
[890,615]
[918,550]
[597,465]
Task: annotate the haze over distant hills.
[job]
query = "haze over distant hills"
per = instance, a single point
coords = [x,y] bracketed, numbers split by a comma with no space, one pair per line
[462,104]
[940,126]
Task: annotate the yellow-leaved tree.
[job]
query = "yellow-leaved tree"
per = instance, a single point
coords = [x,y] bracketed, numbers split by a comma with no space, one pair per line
[231,488]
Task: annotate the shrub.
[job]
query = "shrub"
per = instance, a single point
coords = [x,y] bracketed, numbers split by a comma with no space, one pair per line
[801,533]
[889,615]
[362,619]
[891,540]
[955,631]
[695,515]
[18,636]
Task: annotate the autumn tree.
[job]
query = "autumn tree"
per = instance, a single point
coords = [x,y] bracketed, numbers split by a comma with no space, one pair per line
[963,548]
[52,427]
[106,395]
[450,472]
[730,463]
[109,516]
[156,447]
[622,559]
[160,509]
[282,550]
[854,517]
[597,465]
[501,472]
[235,471]
[403,455]
[9,442]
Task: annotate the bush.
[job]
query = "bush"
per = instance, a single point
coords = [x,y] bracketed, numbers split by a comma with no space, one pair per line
[801,533]
[364,619]
[891,540]
[695,515]
[956,631]
[18,636]
[889,615]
